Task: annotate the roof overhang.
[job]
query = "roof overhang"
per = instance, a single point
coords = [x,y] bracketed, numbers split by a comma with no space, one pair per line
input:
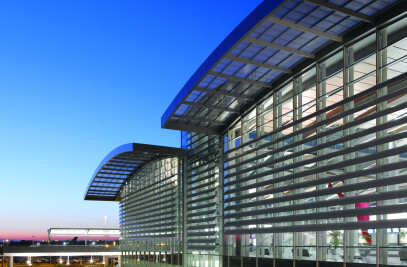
[264,50]
[120,165]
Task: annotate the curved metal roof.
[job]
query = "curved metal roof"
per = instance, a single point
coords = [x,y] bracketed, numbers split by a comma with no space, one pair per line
[120,165]
[273,42]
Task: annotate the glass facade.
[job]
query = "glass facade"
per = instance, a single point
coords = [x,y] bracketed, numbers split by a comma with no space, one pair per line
[203,205]
[151,215]
[316,172]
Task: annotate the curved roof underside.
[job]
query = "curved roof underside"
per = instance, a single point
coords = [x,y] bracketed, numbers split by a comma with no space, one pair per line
[277,39]
[120,165]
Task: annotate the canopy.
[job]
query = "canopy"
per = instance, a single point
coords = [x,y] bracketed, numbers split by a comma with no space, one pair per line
[120,165]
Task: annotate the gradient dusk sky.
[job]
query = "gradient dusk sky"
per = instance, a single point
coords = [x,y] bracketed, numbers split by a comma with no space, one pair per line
[79,78]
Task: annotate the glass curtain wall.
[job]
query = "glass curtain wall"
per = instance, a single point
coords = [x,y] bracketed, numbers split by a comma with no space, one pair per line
[203,194]
[151,215]
[317,171]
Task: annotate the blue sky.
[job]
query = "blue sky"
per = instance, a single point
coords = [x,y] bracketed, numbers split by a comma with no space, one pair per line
[79,78]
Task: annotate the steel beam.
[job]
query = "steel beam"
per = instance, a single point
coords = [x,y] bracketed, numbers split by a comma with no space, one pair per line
[224,93]
[305,29]
[106,191]
[123,163]
[104,175]
[139,158]
[122,159]
[116,173]
[210,106]
[258,64]
[239,79]
[279,47]
[115,169]
[105,182]
[343,10]
[101,198]
[191,128]
[199,119]
[113,178]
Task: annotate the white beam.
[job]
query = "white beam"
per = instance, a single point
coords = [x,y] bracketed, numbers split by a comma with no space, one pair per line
[219,92]
[210,106]
[257,63]
[239,79]
[198,119]
[343,10]
[279,47]
[304,28]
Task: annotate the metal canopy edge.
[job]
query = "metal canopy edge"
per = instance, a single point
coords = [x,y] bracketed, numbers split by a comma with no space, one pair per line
[123,162]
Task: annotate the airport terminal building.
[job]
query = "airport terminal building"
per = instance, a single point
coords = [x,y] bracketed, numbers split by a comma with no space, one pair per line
[293,147]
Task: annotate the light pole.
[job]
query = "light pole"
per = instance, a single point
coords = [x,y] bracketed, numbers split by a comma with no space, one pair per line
[105,228]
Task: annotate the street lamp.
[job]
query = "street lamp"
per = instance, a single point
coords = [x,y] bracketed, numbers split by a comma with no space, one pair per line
[105,228]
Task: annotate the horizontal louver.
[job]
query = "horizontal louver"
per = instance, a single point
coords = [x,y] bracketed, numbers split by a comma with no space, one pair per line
[291,182]
[202,178]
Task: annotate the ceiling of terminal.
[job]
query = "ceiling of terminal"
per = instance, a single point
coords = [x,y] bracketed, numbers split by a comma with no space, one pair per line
[266,48]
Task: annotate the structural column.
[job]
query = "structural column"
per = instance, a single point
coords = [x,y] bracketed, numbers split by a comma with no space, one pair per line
[381,76]
[184,211]
[220,202]
[10,261]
